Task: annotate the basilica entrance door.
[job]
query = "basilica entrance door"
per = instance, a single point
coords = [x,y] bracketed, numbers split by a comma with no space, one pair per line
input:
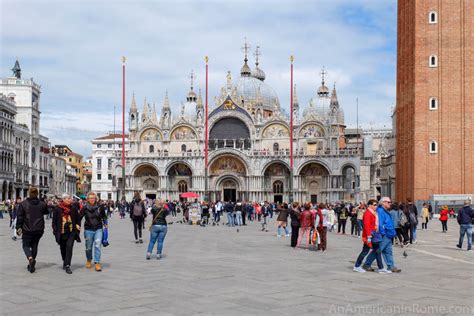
[278,198]
[229,190]
[230,195]
[151,196]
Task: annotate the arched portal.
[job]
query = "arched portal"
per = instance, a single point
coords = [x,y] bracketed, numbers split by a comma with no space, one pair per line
[228,189]
[229,132]
[179,178]
[276,179]
[146,181]
[349,181]
[314,176]
[228,172]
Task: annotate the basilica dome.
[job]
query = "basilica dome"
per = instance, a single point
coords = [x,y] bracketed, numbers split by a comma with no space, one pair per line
[319,107]
[256,91]
[188,110]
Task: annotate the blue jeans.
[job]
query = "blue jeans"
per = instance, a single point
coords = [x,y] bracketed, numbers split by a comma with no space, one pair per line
[413,232]
[465,229]
[95,238]
[158,232]
[365,251]
[230,219]
[279,230]
[360,225]
[387,253]
[238,218]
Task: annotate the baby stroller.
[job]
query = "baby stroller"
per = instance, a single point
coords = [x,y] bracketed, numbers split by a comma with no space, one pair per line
[205,217]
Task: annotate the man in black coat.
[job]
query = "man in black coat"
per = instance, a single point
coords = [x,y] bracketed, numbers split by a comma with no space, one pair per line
[30,223]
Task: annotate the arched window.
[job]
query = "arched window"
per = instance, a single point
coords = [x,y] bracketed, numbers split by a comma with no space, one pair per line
[183,148]
[278,187]
[433,17]
[276,147]
[433,103]
[349,178]
[182,186]
[433,147]
[152,148]
[433,61]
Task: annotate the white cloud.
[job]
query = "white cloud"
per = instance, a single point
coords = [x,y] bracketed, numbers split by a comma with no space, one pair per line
[73,49]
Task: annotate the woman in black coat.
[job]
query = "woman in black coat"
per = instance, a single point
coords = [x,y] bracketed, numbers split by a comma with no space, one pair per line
[295,223]
[66,228]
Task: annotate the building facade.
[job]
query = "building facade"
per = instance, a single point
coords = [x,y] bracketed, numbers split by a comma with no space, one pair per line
[58,171]
[106,166]
[249,146]
[435,99]
[7,147]
[31,150]
[74,160]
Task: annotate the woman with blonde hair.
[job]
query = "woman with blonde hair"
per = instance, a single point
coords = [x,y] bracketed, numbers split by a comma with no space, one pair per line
[158,229]
[94,223]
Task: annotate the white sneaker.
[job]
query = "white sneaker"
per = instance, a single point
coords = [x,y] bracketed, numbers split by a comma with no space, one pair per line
[287,235]
[384,271]
[278,235]
[359,269]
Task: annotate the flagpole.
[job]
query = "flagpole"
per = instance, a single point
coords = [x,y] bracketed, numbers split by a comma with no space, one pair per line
[291,130]
[206,141]
[123,127]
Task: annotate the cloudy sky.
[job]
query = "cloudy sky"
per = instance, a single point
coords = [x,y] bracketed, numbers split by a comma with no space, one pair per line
[74,48]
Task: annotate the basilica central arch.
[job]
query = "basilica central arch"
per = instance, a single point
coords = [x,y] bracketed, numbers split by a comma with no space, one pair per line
[227,175]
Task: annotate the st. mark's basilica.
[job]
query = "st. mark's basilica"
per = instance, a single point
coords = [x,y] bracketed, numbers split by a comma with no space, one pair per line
[249,145]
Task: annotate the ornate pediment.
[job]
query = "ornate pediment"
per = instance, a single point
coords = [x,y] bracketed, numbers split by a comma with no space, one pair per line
[228,105]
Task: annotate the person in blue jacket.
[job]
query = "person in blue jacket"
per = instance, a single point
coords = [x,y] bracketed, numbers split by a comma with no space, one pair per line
[387,231]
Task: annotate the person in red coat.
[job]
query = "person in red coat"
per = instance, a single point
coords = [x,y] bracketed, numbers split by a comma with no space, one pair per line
[443,217]
[370,228]
[306,224]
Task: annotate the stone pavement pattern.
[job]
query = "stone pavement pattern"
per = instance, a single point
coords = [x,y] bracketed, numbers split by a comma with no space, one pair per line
[217,270]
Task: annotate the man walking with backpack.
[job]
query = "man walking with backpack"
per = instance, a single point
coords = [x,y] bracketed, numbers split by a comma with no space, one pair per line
[465,219]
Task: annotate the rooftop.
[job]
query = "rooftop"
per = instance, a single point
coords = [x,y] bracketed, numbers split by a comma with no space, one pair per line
[111,136]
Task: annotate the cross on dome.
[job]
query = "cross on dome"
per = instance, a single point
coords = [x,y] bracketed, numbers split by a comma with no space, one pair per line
[323,74]
[245,49]
[192,77]
[257,54]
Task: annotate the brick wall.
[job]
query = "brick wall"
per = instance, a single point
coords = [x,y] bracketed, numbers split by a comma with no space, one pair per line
[450,171]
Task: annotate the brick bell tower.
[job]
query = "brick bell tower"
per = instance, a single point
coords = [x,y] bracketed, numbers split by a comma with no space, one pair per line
[435,98]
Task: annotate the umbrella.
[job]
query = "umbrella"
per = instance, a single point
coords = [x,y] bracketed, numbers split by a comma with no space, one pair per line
[189,195]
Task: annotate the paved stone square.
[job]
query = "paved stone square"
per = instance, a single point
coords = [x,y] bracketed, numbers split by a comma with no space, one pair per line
[219,271]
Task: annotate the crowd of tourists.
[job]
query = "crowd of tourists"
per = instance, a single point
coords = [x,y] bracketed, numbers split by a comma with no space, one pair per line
[380,224]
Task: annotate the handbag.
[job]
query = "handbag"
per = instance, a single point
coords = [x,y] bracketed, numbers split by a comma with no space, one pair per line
[376,237]
[154,219]
[105,232]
